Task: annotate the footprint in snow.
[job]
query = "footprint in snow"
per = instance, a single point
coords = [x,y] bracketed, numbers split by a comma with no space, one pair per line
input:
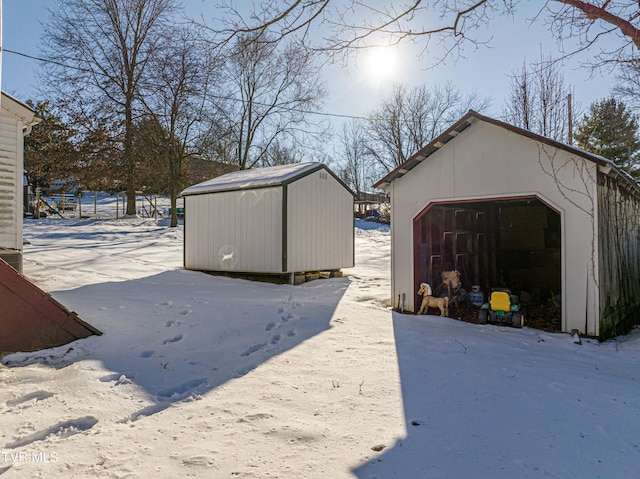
[108,378]
[184,312]
[175,339]
[122,380]
[276,339]
[147,354]
[272,325]
[35,396]
[254,349]
[59,430]
[287,317]
[182,390]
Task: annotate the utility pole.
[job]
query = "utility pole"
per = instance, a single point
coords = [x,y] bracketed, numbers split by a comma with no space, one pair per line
[570,118]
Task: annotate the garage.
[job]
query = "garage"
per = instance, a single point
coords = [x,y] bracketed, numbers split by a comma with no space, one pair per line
[558,226]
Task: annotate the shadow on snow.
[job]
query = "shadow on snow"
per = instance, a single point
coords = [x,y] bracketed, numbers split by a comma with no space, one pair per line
[496,402]
[180,334]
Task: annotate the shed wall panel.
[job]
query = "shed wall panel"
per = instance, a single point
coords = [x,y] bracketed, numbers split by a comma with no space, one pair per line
[319,224]
[11,166]
[234,231]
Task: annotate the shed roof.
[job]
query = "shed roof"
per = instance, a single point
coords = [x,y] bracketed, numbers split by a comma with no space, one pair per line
[258,178]
[469,119]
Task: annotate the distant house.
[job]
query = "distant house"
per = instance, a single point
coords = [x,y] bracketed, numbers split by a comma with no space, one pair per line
[507,207]
[279,220]
[16,120]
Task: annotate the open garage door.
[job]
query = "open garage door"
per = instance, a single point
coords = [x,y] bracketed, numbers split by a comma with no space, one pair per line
[510,243]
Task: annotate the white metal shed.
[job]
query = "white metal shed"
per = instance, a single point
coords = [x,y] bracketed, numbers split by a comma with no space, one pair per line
[507,207]
[283,219]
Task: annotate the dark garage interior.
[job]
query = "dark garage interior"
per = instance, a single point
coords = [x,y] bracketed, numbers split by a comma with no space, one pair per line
[507,243]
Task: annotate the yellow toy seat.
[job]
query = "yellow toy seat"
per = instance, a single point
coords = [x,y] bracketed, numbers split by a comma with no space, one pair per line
[500,301]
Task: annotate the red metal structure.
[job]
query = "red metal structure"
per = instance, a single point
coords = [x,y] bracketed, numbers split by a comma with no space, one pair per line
[31,319]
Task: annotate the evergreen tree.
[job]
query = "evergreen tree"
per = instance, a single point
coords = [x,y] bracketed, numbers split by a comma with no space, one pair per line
[610,130]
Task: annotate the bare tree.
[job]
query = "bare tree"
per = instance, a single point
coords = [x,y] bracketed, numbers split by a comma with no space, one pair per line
[410,118]
[519,108]
[539,99]
[355,164]
[590,22]
[280,154]
[628,86]
[100,50]
[177,99]
[357,24]
[272,88]
[450,24]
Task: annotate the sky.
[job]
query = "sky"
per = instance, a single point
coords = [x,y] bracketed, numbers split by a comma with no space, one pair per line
[214,377]
[354,90]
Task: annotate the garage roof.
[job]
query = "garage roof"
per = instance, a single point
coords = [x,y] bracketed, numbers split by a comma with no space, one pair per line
[259,178]
[469,119]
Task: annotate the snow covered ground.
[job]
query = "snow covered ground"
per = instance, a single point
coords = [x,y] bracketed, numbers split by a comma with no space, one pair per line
[212,377]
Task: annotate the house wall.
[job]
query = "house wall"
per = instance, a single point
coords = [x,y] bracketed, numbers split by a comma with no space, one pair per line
[11,178]
[486,161]
[320,228]
[234,231]
[619,231]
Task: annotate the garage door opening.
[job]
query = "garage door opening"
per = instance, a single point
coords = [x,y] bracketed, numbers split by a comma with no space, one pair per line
[506,243]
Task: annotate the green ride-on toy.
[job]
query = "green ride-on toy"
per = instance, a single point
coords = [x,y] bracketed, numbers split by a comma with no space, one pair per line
[502,308]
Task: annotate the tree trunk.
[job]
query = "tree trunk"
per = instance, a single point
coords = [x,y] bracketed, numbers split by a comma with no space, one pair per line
[131,201]
[174,212]
[129,158]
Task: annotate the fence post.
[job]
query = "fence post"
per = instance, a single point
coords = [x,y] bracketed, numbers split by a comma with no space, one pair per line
[38,203]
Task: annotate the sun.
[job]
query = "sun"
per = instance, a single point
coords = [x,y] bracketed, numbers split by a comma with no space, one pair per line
[381,62]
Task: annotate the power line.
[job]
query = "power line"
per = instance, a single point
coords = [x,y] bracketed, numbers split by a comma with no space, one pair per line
[45,60]
[86,70]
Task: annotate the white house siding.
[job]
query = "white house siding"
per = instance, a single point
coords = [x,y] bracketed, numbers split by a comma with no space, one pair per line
[234,231]
[487,161]
[10,182]
[319,224]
